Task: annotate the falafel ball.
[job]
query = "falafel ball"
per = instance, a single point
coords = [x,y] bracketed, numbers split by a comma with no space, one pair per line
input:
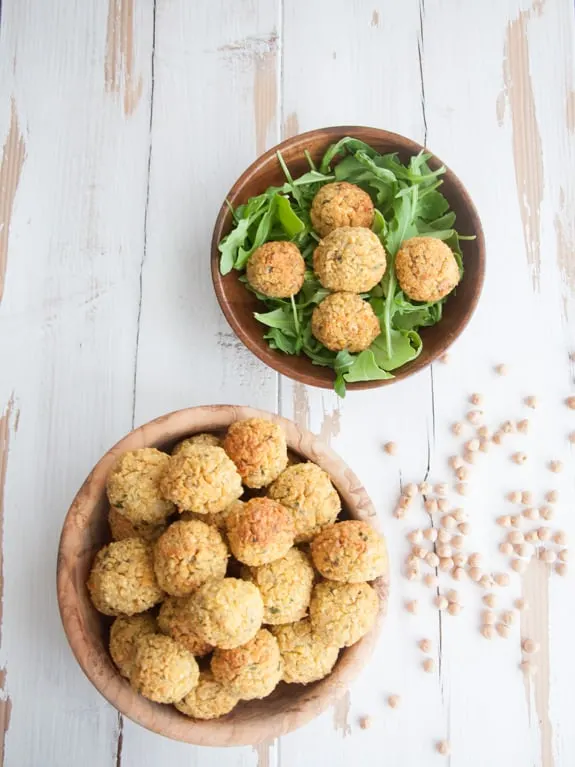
[202,479]
[175,619]
[124,634]
[226,613]
[163,670]
[426,269]
[258,449]
[276,269]
[350,259]
[340,204]
[122,580]
[305,658]
[252,670]
[345,321]
[218,519]
[350,552]
[121,528]
[341,613]
[208,700]
[187,554]
[134,486]
[285,586]
[307,491]
[260,532]
[211,440]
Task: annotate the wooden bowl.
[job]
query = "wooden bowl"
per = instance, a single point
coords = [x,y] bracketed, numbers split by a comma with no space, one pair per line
[86,530]
[239,304]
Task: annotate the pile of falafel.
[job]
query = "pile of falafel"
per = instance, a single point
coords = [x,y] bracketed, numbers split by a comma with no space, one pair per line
[350,260]
[235,595]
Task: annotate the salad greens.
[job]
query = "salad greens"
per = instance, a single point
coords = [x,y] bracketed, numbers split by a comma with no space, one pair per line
[407,204]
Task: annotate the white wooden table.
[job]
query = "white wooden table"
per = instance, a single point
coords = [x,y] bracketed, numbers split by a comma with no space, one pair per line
[123,124]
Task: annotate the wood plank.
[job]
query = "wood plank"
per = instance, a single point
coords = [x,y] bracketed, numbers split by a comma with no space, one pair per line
[73,190]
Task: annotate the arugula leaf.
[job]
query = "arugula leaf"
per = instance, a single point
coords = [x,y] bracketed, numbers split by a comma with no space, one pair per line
[280,318]
[365,368]
[431,206]
[345,144]
[289,220]
[405,346]
[280,341]
[339,385]
[229,246]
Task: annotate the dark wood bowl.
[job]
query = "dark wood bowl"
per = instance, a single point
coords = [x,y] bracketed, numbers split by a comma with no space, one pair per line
[86,530]
[239,304]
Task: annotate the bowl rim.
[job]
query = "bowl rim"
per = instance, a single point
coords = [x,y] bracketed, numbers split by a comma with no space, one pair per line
[334,132]
[79,616]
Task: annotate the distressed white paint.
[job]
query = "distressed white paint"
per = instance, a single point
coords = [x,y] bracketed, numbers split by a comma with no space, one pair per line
[69,321]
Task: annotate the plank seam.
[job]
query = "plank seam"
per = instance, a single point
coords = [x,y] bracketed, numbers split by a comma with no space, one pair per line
[420,54]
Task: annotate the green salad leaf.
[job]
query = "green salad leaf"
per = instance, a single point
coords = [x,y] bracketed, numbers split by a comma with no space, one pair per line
[408,203]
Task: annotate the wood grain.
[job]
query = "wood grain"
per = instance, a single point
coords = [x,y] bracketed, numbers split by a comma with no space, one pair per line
[85,531]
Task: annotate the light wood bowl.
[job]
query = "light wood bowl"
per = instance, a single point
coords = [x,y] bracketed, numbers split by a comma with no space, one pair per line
[86,530]
[239,304]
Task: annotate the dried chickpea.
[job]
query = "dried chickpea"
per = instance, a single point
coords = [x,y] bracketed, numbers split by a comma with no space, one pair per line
[390,448]
[428,665]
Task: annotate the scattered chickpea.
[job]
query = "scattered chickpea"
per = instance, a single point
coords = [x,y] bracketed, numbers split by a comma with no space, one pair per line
[504,521]
[461,488]
[561,568]
[475,559]
[483,432]
[528,668]
[469,456]
[506,548]
[454,609]
[419,551]
[458,573]
[459,560]
[458,541]
[424,488]
[445,564]
[415,536]
[515,537]
[571,438]
[514,496]
[412,574]
[531,536]
[516,520]
[489,599]
[526,497]
[552,496]
[457,428]
[444,747]
[393,701]
[432,559]
[431,505]
[430,580]
[444,550]
[501,369]
[570,402]
[487,631]
[472,445]
[544,534]
[443,504]
[410,490]
[520,604]
[365,722]
[430,534]
[507,617]
[555,466]
[440,602]
[464,528]
[501,579]
[476,399]
[502,630]
[425,645]
[525,550]
[548,556]
[486,581]
[546,512]
[484,445]
[530,646]
[399,512]
[444,359]
[475,574]
[390,448]
[523,426]
[531,513]
[563,555]
[475,417]
[508,427]
[459,515]
[443,535]
[412,607]
[412,560]
[448,522]
[455,462]
[488,617]
[441,488]
[519,458]
[531,401]
[497,438]
[404,501]
[428,665]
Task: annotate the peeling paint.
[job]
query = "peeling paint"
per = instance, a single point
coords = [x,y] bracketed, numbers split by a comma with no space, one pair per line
[500,108]
[570,111]
[5,420]
[565,243]
[301,405]
[5,711]
[341,715]
[375,19]
[263,752]
[527,149]
[330,426]
[291,126]
[253,46]
[13,155]
[119,74]
[535,625]
[265,97]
